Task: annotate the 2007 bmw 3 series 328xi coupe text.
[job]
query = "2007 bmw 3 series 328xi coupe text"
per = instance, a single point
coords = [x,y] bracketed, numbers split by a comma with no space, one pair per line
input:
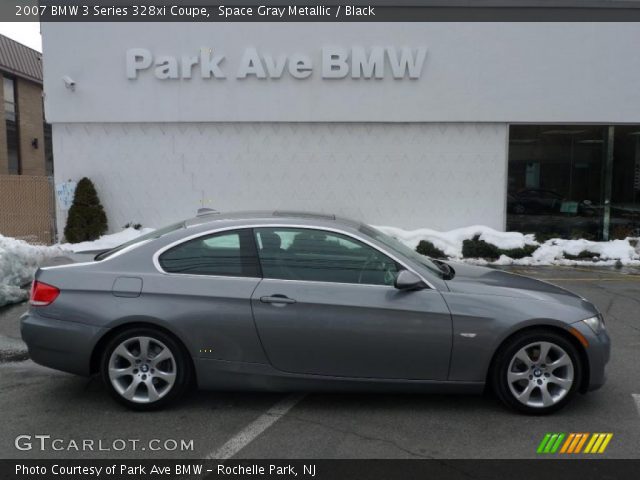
[291,301]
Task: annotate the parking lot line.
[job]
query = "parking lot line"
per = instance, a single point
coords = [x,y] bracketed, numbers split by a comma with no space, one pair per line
[245,436]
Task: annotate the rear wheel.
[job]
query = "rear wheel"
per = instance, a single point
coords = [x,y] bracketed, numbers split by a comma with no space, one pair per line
[537,372]
[145,368]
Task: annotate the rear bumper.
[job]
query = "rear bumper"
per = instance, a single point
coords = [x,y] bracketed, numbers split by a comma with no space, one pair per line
[59,344]
[598,354]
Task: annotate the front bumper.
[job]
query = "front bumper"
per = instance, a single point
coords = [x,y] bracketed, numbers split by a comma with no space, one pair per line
[59,344]
[598,354]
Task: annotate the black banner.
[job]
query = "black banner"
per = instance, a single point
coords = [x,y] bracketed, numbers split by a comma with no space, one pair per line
[328,11]
[534,469]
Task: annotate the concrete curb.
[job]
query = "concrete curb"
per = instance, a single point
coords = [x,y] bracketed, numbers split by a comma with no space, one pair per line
[12,350]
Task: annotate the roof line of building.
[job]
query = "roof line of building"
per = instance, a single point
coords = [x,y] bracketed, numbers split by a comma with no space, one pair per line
[19,60]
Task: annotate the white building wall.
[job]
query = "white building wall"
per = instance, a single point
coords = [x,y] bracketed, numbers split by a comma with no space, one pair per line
[472,72]
[438,175]
[410,152]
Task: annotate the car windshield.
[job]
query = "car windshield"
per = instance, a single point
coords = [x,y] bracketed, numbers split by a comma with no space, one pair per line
[141,239]
[400,248]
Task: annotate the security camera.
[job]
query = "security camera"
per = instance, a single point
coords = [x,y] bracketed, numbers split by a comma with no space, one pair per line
[69,82]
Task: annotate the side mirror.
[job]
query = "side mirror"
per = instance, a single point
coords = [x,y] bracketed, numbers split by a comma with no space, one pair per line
[407,280]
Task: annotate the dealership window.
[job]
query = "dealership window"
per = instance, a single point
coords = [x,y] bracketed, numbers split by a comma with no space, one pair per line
[574,181]
[11,124]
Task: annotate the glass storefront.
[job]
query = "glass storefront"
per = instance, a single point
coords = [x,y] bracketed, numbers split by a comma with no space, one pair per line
[574,181]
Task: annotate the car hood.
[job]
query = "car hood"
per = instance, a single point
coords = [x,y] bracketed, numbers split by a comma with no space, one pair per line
[487,281]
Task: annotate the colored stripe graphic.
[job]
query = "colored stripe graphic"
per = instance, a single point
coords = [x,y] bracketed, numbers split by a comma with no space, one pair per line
[573,443]
[556,445]
[543,443]
[607,439]
[592,442]
[583,439]
[577,438]
[567,442]
[598,443]
[550,443]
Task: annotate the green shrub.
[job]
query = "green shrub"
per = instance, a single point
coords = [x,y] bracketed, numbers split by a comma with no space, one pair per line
[429,249]
[135,226]
[476,248]
[583,255]
[542,237]
[523,252]
[86,219]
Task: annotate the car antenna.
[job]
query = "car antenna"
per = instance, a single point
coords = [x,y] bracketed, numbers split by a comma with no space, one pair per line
[205,211]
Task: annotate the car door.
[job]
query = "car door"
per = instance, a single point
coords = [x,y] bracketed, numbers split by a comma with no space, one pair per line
[205,290]
[327,306]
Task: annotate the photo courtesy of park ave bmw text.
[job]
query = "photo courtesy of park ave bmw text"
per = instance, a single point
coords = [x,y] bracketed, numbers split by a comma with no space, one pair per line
[320,240]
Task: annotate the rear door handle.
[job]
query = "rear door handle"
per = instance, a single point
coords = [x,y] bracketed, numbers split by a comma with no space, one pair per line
[275,299]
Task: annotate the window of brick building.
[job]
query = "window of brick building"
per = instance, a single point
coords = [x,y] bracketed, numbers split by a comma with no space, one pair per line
[11,121]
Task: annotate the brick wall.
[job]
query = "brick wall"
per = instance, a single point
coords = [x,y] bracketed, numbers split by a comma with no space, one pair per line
[27,207]
[30,119]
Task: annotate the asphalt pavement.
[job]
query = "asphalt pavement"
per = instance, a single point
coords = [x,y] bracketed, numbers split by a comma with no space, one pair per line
[38,401]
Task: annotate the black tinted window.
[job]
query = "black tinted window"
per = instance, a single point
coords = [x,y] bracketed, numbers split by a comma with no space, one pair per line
[228,253]
[318,255]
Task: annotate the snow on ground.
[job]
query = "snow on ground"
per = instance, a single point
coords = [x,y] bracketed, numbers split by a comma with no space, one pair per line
[19,260]
[451,242]
[551,252]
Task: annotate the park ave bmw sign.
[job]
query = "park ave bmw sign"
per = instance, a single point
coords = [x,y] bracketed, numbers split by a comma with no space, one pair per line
[335,62]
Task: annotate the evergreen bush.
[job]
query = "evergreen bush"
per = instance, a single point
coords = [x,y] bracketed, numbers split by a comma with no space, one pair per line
[583,255]
[476,248]
[86,220]
[427,248]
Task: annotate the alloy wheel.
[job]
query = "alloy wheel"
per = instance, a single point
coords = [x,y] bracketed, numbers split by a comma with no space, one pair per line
[540,374]
[142,369]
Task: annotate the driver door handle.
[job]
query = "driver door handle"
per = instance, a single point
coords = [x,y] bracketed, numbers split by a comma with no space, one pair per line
[277,299]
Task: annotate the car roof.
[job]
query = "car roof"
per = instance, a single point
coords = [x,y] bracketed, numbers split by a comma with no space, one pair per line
[207,216]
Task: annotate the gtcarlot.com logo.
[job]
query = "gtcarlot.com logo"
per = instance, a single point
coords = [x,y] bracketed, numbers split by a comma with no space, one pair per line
[572,443]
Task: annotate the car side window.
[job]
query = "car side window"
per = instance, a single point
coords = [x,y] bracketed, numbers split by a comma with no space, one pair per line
[322,256]
[229,253]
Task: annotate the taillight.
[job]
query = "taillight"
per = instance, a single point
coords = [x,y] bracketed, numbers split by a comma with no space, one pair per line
[42,294]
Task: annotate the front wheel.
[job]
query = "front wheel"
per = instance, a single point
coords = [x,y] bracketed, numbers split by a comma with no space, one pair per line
[145,368]
[537,372]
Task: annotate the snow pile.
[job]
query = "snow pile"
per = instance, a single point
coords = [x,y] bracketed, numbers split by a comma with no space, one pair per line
[18,262]
[451,242]
[551,252]
[106,241]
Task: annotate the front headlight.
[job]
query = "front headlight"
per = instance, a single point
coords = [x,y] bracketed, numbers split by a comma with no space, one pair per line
[595,323]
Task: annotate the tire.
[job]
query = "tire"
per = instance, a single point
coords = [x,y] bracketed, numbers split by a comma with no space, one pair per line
[537,386]
[145,381]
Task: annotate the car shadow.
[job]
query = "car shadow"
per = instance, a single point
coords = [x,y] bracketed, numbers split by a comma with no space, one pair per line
[93,390]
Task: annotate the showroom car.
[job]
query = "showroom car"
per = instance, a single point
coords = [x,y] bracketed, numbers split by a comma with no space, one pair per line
[288,301]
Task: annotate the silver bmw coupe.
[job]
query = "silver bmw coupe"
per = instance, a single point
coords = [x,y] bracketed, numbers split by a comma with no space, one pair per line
[293,301]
